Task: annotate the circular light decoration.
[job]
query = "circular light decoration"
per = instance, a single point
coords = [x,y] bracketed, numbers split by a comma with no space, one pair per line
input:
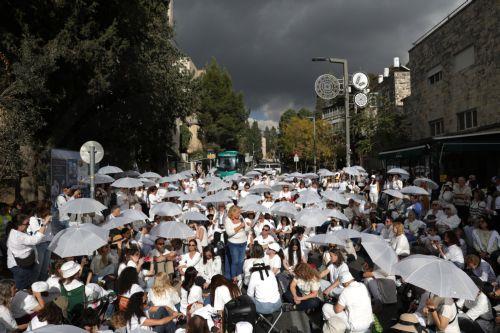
[327,86]
[361,100]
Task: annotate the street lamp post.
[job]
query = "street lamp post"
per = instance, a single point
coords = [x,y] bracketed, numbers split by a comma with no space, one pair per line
[314,140]
[346,104]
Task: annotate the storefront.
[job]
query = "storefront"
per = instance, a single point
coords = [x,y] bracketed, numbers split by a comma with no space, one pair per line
[445,157]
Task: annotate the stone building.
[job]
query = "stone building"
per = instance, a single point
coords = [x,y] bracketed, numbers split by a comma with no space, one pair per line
[393,86]
[454,105]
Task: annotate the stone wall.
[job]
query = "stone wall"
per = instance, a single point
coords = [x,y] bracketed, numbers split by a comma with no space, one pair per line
[476,86]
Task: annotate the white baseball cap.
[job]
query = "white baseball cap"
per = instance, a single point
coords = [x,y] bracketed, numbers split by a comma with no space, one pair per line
[274,246]
[40,287]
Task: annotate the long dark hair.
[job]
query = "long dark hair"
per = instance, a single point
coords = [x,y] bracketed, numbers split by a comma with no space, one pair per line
[126,279]
[135,306]
[219,280]
[257,251]
[208,248]
[189,277]
[452,238]
[197,324]
[51,313]
[294,242]
[340,257]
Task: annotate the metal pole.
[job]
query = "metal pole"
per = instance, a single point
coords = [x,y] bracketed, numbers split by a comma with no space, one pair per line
[347,117]
[314,138]
[92,172]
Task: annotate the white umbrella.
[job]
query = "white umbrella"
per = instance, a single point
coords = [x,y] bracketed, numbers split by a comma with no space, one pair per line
[80,240]
[109,169]
[82,206]
[217,186]
[260,188]
[117,222]
[190,197]
[308,197]
[134,215]
[311,217]
[172,194]
[326,239]
[253,173]
[279,186]
[150,174]
[296,175]
[193,216]
[379,251]
[256,208]
[335,197]
[352,171]
[219,197]
[438,276]
[99,179]
[284,208]
[336,214]
[398,171]
[432,185]
[347,233]
[166,209]
[359,168]
[172,229]
[310,175]
[394,193]
[127,182]
[59,329]
[210,179]
[234,177]
[249,199]
[147,182]
[168,179]
[326,173]
[128,173]
[414,190]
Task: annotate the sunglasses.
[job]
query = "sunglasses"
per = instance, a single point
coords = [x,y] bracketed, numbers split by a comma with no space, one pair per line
[160,243]
[265,229]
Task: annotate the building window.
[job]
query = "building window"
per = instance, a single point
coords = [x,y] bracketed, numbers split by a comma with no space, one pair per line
[467,119]
[435,78]
[464,58]
[437,127]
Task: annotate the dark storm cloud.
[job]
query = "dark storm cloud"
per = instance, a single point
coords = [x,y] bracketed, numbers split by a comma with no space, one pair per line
[267,45]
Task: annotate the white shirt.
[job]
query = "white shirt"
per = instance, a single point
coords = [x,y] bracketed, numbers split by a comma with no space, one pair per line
[449,310]
[400,245]
[480,307]
[454,254]
[7,321]
[336,272]
[195,295]
[265,291]
[35,225]
[211,268]
[274,262]
[265,241]
[357,306]
[19,245]
[36,323]
[136,324]
[169,298]
[452,221]
[60,201]
[239,237]
[188,261]
[222,296]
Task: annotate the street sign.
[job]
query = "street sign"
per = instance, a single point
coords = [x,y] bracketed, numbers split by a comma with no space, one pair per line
[92,152]
[361,99]
[360,80]
[86,151]
[327,86]
[296,158]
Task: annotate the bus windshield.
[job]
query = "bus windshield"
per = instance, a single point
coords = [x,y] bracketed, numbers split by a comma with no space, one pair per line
[227,163]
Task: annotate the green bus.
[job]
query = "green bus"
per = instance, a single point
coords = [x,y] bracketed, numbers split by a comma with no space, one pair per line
[229,162]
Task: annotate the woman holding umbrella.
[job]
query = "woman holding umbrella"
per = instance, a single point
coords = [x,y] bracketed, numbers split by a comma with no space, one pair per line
[441,314]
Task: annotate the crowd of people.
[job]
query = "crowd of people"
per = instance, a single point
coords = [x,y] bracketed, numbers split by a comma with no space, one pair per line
[247,243]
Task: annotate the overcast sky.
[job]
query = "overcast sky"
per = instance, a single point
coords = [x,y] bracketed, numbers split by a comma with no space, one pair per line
[267,45]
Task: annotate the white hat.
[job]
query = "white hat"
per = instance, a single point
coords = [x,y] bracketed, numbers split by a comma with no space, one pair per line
[69,268]
[274,246]
[133,290]
[243,327]
[40,287]
[346,277]
[373,176]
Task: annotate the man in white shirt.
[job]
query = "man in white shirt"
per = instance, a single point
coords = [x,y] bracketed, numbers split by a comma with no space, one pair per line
[354,306]
[61,199]
[263,289]
[265,238]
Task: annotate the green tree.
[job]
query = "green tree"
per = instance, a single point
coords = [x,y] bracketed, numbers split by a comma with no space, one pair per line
[222,113]
[100,70]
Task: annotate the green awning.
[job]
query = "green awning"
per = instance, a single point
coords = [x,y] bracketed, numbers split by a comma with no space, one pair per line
[402,153]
